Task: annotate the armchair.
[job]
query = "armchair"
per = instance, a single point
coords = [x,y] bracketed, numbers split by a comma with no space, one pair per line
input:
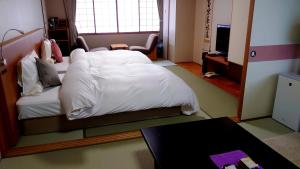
[149,48]
[81,43]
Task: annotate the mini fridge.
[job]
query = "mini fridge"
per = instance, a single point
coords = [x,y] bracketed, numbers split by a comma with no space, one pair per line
[287,101]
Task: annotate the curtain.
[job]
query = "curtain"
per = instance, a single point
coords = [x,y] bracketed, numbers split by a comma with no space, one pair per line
[161,20]
[70,8]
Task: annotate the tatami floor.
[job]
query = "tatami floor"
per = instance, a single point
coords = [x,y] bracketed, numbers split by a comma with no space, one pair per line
[222,82]
[130,154]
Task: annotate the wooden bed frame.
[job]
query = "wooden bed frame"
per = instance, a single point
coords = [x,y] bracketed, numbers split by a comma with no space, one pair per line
[61,123]
[11,127]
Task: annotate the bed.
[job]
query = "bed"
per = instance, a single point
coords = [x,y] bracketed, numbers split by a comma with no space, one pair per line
[121,98]
[52,118]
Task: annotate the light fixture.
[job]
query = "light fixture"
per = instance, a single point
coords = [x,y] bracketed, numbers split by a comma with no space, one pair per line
[2,61]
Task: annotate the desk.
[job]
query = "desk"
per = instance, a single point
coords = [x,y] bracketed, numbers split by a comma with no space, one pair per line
[220,65]
[214,63]
[189,145]
[118,46]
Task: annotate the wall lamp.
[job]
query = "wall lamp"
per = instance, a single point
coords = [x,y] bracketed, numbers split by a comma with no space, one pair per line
[2,60]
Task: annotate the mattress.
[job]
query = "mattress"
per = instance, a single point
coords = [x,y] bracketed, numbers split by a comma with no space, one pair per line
[44,105]
[63,66]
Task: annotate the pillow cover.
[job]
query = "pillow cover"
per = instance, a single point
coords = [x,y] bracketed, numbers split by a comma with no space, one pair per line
[47,74]
[28,77]
[46,50]
[56,52]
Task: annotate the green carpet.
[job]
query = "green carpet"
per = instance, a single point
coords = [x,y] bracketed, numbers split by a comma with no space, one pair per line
[213,100]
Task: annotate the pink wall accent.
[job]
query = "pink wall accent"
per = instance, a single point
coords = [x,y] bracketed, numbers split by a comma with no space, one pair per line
[275,52]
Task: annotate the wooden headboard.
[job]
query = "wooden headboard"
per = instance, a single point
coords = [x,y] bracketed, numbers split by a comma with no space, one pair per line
[13,51]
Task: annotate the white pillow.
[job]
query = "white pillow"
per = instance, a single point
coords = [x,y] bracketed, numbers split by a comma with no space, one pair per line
[30,78]
[77,54]
[46,50]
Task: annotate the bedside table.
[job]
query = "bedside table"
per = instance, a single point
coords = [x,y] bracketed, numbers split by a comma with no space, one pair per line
[119,46]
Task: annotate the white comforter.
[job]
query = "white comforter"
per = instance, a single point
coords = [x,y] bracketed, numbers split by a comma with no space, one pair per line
[92,90]
[112,57]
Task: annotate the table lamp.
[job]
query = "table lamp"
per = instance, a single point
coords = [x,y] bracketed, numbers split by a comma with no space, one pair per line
[2,61]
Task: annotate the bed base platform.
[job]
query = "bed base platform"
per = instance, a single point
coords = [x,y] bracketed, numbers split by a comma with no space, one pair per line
[62,124]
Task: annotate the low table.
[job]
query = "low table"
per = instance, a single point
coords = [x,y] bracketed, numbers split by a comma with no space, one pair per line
[189,145]
[118,46]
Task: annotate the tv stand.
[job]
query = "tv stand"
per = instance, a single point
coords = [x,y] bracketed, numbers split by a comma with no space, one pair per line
[220,65]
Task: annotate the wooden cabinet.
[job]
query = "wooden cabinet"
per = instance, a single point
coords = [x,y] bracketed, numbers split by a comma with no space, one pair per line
[62,38]
[220,65]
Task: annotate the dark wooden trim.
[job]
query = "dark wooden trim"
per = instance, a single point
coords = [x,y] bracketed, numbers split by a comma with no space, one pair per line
[72,144]
[246,58]
[4,146]
[235,119]
[257,118]
[234,72]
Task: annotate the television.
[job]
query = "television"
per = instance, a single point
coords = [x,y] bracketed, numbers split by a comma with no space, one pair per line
[222,41]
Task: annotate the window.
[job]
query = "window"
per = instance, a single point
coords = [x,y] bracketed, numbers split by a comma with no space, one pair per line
[116,16]
[105,16]
[84,16]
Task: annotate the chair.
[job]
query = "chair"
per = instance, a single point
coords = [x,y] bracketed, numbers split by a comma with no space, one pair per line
[150,47]
[81,43]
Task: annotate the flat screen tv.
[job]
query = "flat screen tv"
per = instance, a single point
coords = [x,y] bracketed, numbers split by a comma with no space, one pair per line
[222,42]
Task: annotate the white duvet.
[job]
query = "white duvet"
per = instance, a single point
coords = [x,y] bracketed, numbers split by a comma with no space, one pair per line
[112,57]
[92,90]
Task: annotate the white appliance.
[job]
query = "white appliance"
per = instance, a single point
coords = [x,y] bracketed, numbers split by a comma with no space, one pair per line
[287,102]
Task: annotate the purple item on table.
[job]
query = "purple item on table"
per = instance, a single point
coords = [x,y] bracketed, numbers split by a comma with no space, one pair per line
[231,157]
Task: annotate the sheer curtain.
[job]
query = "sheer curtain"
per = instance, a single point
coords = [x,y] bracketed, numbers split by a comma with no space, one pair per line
[70,8]
[160,13]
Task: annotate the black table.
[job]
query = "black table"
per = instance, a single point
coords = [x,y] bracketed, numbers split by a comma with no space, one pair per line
[189,145]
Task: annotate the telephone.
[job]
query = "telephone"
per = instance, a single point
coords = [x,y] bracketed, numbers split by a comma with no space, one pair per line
[210,74]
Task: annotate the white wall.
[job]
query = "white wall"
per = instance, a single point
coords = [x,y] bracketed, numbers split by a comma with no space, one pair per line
[199,30]
[185,19]
[275,22]
[238,31]
[20,14]
[221,15]
[172,31]
[261,86]
[181,30]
